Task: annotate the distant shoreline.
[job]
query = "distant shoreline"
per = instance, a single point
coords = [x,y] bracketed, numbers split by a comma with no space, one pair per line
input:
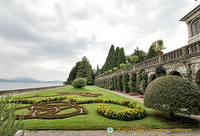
[26,90]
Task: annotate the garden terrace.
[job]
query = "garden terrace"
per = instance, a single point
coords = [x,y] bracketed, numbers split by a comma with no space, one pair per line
[184,61]
[46,115]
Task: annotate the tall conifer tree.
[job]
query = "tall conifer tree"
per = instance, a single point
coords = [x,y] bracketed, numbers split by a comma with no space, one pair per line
[85,71]
[121,57]
[72,74]
[110,60]
[152,51]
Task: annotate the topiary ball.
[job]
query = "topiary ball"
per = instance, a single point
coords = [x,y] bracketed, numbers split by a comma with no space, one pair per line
[79,83]
[173,94]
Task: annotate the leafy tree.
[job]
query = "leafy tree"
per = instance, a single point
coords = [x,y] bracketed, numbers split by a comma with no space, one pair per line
[152,51]
[72,74]
[85,71]
[140,53]
[121,57]
[110,60]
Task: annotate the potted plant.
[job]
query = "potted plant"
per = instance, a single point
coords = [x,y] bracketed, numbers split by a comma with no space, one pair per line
[140,96]
[115,69]
[134,59]
[122,65]
[110,71]
[106,72]
[160,46]
[131,93]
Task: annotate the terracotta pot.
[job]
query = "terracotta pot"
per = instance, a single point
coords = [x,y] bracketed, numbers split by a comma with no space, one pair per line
[124,92]
[134,63]
[131,94]
[160,53]
[140,96]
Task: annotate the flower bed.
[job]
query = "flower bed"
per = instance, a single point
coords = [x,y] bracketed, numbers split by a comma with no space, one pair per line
[127,114]
[137,112]
[49,110]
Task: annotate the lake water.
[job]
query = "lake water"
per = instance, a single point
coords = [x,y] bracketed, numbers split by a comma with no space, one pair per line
[22,85]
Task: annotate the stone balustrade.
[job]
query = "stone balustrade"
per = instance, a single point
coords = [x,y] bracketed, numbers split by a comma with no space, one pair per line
[182,53]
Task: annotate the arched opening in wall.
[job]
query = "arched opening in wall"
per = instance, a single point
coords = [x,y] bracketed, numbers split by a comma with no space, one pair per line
[197,78]
[152,77]
[175,73]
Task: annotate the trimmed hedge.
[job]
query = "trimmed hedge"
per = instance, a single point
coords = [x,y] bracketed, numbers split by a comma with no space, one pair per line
[132,82]
[115,82]
[29,101]
[125,82]
[129,114]
[79,83]
[173,94]
[143,81]
[120,83]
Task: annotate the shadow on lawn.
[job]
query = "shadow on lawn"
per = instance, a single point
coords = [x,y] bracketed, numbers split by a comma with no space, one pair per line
[178,121]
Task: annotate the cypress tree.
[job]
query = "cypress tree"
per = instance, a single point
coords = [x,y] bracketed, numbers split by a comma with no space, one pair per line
[121,58]
[152,51]
[85,71]
[98,71]
[110,59]
[72,74]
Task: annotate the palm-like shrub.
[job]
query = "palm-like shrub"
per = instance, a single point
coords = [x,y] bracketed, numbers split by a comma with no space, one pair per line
[79,83]
[173,94]
[8,124]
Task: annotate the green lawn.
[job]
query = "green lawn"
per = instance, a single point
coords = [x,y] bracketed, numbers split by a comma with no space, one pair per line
[154,119]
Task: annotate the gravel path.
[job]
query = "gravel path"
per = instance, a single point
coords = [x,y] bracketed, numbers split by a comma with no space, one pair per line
[136,98]
[194,132]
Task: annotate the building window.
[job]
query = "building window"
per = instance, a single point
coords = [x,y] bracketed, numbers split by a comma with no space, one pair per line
[195,27]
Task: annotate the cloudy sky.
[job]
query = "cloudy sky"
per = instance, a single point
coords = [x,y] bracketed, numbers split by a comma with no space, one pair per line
[43,39]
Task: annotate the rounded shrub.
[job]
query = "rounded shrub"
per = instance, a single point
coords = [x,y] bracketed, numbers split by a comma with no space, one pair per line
[173,94]
[79,83]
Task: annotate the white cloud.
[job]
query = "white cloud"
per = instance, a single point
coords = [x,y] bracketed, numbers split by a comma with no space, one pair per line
[44,39]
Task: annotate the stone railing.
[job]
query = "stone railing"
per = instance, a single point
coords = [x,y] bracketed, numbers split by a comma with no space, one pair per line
[184,52]
[147,63]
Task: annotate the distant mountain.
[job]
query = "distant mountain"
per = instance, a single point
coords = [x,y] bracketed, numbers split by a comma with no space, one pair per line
[28,80]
